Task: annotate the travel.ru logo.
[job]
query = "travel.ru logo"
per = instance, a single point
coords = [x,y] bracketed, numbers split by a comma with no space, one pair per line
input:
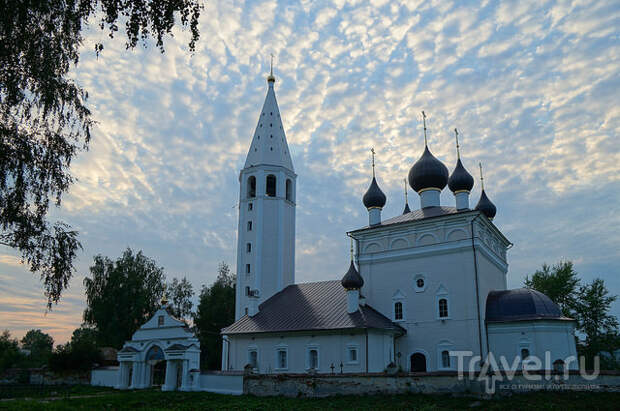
[531,369]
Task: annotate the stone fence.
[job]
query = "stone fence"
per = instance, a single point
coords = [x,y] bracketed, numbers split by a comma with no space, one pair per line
[43,376]
[323,385]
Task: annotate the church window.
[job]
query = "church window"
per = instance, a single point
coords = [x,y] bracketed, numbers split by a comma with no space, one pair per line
[313,358]
[445,359]
[398,311]
[250,206]
[249,226]
[271,148]
[352,354]
[248,247]
[271,135]
[420,282]
[253,358]
[160,321]
[443,308]
[271,113]
[282,358]
[246,310]
[270,125]
[289,190]
[247,292]
[251,187]
[271,185]
[247,268]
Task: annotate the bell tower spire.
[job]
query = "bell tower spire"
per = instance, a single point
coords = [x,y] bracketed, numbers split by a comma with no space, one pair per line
[266,231]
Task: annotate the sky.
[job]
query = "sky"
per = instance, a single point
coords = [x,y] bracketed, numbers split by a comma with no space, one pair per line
[530,86]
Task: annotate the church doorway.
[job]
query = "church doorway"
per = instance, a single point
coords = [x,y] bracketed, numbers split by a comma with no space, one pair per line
[418,362]
[155,359]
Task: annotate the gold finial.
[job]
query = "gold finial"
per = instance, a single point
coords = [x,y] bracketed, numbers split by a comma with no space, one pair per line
[481,177]
[372,150]
[406,199]
[271,76]
[458,153]
[164,300]
[424,120]
[351,248]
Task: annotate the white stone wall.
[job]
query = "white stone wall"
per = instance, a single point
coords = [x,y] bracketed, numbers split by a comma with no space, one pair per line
[332,347]
[540,337]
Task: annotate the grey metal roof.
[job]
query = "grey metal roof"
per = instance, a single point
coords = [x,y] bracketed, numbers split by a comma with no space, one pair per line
[521,304]
[416,215]
[310,306]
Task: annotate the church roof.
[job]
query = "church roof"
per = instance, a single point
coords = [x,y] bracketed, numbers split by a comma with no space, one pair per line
[421,214]
[521,304]
[307,307]
[269,145]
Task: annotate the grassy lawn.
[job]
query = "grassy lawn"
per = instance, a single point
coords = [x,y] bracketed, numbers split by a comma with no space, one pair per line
[101,398]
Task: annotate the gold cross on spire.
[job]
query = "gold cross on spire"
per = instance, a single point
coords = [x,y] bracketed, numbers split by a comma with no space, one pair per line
[424,120]
[481,177]
[351,248]
[271,71]
[372,150]
[458,153]
[406,199]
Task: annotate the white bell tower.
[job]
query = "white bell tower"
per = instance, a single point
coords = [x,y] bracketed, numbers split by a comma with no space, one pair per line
[266,233]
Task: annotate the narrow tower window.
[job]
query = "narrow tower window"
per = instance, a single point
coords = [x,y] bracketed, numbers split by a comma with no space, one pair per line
[398,311]
[247,268]
[445,359]
[249,226]
[271,185]
[249,247]
[443,308]
[289,190]
[251,186]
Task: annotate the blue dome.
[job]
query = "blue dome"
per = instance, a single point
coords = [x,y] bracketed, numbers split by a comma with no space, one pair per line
[352,280]
[486,206]
[460,180]
[521,304]
[428,172]
[374,197]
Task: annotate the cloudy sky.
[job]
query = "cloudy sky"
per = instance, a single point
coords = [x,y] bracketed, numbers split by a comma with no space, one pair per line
[529,84]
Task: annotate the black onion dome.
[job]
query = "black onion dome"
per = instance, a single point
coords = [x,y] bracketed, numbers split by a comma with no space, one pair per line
[352,280]
[428,172]
[520,305]
[407,209]
[486,206]
[374,197]
[460,180]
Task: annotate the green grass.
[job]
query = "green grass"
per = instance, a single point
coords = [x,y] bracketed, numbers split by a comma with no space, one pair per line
[157,400]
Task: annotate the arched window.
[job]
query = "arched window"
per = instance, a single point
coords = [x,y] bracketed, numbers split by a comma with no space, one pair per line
[289,190]
[271,186]
[398,310]
[251,187]
[445,359]
[525,353]
[443,308]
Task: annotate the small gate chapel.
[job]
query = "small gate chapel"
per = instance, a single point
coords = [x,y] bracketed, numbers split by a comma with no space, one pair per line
[163,353]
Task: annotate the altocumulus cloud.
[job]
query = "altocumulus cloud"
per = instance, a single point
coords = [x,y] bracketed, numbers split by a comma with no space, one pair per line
[531,86]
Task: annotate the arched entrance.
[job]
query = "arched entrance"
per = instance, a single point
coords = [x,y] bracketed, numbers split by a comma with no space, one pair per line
[418,362]
[157,364]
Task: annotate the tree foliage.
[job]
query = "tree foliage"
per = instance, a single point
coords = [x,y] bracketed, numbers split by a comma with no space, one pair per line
[559,282]
[40,346]
[44,120]
[9,351]
[122,295]
[589,304]
[180,294]
[216,310]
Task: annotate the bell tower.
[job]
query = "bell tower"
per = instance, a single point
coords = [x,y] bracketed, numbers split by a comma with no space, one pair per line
[266,232]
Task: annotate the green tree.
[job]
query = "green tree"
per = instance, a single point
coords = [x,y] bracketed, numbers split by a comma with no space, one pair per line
[40,345]
[9,351]
[180,294]
[122,295]
[44,120]
[216,310]
[79,354]
[599,327]
[559,282]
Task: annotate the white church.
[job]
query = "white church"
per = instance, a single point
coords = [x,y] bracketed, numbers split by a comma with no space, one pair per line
[419,287]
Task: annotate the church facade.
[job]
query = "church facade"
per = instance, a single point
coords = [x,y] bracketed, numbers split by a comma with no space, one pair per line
[422,287]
